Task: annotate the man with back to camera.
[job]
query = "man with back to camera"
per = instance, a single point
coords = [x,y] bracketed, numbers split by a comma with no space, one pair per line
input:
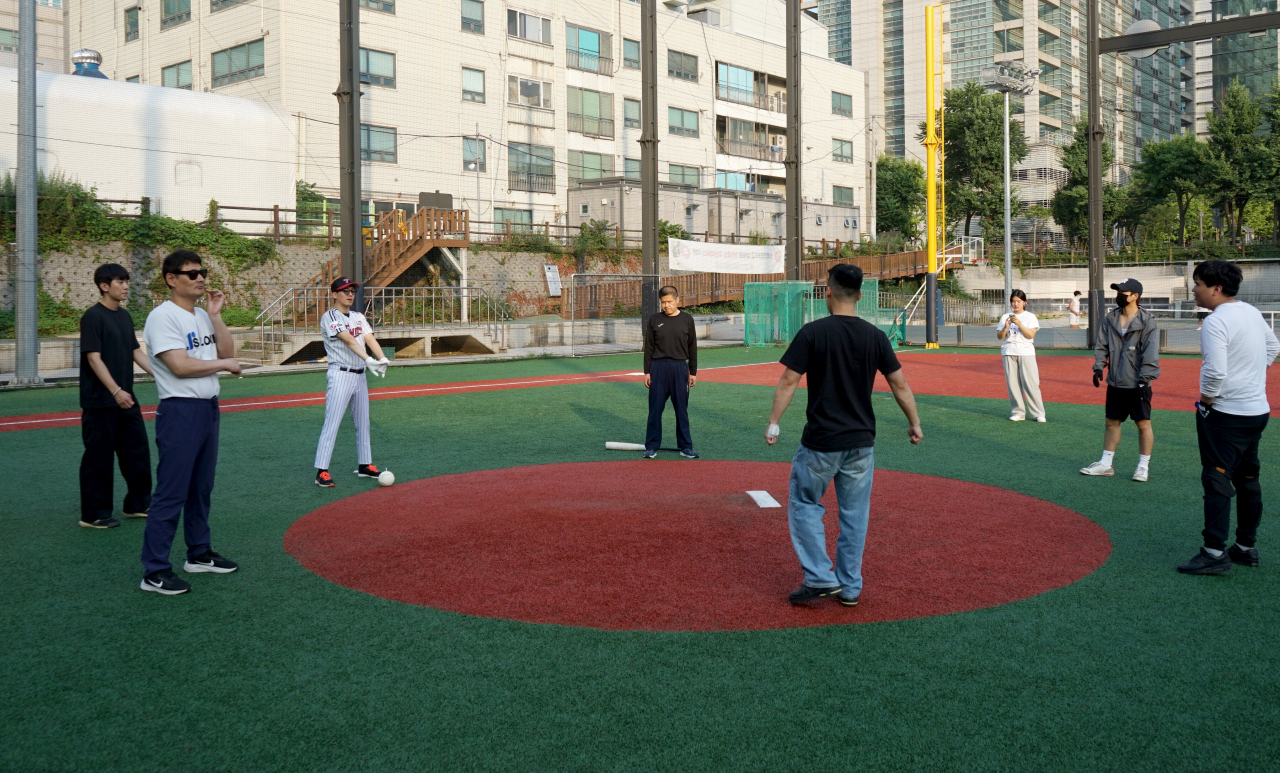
[111,425]
[187,347]
[1073,311]
[1128,346]
[670,370]
[841,355]
[1238,347]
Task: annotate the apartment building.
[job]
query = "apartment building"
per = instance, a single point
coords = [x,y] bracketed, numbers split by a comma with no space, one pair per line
[1253,59]
[52,52]
[507,105]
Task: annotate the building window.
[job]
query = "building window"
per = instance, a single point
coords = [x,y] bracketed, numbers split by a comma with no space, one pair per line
[237,64]
[174,12]
[535,28]
[473,156]
[130,24]
[631,113]
[521,91]
[631,168]
[218,5]
[177,76]
[841,104]
[842,151]
[377,143]
[631,54]
[733,181]
[134,79]
[682,66]
[682,122]
[472,85]
[736,84]
[532,168]
[386,6]
[377,68]
[842,195]
[589,166]
[512,220]
[588,49]
[473,16]
[590,112]
[684,175]
[8,40]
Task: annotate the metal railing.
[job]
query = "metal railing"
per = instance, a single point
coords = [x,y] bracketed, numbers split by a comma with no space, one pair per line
[589,61]
[528,181]
[591,125]
[754,150]
[776,103]
[389,309]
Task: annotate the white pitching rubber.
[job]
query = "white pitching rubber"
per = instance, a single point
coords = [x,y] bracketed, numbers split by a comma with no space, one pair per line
[612,446]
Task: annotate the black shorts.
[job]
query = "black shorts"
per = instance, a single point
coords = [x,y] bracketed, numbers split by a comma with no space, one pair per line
[1127,403]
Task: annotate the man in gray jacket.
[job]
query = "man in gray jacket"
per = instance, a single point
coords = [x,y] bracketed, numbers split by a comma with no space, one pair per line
[1128,346]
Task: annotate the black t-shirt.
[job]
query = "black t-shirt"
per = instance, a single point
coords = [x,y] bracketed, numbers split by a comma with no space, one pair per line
[110,333]
[840,355]
[671,338]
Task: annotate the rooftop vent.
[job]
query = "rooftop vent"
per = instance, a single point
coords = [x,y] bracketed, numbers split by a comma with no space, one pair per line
[87,62]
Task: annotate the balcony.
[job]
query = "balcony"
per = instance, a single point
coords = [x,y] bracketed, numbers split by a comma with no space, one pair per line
[754,150]
[776,103]
[529,181]
[540,117]
[588,61]
[173,20]
[591,125]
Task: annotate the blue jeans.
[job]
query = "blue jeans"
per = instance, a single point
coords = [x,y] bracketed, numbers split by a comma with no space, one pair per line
[811,472]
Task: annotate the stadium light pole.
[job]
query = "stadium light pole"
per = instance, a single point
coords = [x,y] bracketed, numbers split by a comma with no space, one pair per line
[649,158]
[27,343]
[1009,78]
[795,205]
[348,94]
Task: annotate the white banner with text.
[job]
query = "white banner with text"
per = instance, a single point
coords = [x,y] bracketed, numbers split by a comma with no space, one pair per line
[727,258]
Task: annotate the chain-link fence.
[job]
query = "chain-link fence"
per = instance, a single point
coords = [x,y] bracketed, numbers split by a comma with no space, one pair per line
[604,312]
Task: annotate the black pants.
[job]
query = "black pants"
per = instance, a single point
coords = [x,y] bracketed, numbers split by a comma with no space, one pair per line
[1229,456]
[668,379]
[111,433]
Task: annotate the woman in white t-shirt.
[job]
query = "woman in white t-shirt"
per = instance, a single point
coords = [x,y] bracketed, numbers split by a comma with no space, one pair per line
[1021,375]
[1073,311]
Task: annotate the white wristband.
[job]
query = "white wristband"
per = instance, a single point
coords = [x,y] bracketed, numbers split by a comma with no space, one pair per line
[113,394]
[773,431]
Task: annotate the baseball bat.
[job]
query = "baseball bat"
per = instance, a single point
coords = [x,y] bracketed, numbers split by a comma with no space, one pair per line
[614,446]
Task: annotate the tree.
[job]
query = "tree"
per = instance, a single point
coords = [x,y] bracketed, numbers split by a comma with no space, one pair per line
[974,155]
[1243,165]
[1070,204]
[1271,112]
[900,193]
[1174,168]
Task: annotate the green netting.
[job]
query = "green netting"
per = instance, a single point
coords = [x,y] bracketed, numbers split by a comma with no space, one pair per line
[775,311]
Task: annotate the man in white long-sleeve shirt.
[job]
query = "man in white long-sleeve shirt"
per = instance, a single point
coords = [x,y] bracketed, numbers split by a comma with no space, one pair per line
[1238,346]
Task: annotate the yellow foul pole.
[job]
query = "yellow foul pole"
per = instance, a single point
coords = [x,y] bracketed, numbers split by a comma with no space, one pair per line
[931,144]
[942,141]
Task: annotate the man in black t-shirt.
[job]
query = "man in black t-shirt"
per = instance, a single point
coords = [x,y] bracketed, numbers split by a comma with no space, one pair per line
[670,371]
[111,425]
[841,355]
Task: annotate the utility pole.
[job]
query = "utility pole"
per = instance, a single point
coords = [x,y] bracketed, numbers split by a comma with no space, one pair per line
[932,65]
[649,158]
[1094,78]
[1008,224]
[348,95]
[795,204]
[1009,78]
[27,343]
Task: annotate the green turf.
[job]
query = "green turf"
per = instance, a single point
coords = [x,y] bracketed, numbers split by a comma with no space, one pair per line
[272,669]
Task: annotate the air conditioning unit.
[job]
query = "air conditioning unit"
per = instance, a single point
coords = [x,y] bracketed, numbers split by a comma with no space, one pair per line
[707,16]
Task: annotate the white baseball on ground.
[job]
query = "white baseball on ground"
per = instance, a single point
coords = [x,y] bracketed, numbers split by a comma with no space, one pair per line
[386,478]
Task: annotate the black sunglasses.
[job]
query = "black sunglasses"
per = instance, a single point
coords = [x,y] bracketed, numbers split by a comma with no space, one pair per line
[192,274]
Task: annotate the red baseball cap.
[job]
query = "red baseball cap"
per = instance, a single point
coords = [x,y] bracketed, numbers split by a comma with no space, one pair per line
[342,283]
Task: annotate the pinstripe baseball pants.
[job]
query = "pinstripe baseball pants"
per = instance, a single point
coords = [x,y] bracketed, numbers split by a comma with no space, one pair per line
[344,389]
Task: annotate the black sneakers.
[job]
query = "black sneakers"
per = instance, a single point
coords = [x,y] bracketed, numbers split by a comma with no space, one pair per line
[689,454]
[165,582]
[848,601]
[805,594]
[101,523]
[210,562]
[368,471]
[324,479]
[1204,563]
[1242,555]
[651,454]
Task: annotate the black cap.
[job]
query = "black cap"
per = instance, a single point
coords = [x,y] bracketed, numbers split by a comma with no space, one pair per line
[342,283]
[1128,286]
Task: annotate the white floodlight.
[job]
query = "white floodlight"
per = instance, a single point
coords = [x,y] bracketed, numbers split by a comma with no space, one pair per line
[1137,28]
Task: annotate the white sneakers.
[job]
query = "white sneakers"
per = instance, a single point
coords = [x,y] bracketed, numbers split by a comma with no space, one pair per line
[1140,474]
[1016,417]
[1098,468]
[1041,419]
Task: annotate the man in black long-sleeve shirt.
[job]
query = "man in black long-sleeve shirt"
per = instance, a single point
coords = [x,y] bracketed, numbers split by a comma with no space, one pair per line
[670,369]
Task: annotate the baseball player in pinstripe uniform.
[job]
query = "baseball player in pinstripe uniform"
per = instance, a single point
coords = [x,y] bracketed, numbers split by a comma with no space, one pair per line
[346,334]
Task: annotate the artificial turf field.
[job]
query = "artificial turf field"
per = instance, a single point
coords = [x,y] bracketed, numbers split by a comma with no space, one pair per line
[1132,667]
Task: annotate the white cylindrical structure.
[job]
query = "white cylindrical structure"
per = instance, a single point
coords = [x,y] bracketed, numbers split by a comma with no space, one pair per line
[27,340]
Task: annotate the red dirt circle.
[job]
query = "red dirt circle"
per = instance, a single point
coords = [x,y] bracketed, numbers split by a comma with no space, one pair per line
[679,546]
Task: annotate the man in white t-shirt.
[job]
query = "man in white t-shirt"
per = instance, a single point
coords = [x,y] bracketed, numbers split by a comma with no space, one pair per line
[1238,346]
[1073,311]
[187,347]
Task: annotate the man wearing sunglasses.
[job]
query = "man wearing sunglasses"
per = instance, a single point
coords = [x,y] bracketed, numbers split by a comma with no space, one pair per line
[347,340]
[187,347]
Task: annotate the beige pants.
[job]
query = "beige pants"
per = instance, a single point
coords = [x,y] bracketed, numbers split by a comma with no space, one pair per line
[1023,379]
